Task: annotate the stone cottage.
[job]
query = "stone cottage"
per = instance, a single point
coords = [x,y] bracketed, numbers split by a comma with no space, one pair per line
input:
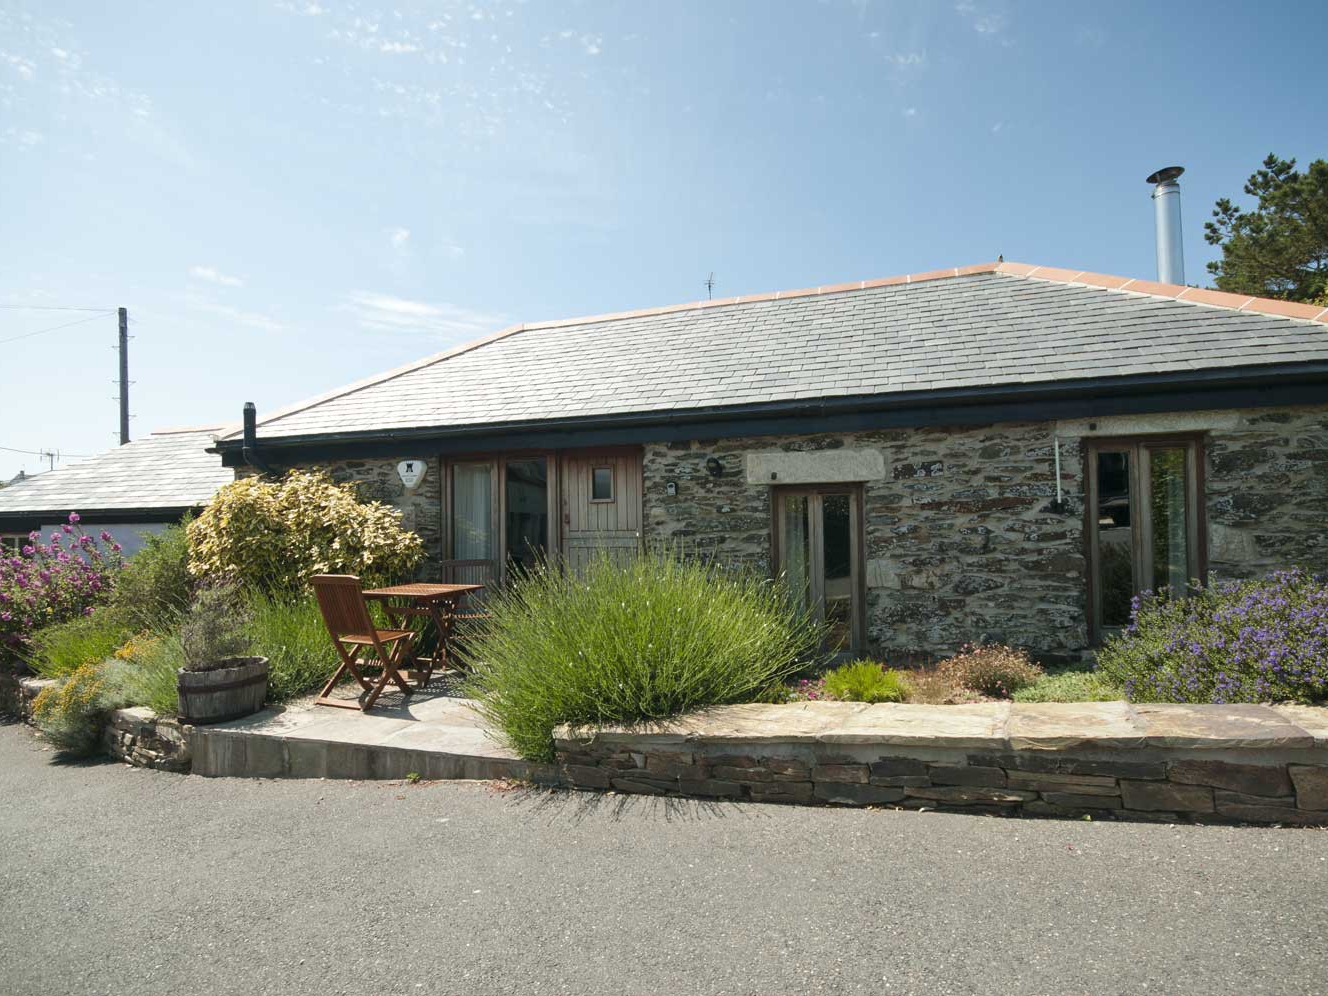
[997,452]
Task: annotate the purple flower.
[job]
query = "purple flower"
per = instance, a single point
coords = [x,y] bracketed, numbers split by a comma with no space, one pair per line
[75,517]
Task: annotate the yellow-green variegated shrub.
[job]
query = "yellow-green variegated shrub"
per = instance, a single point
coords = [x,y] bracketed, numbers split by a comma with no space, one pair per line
[275,535]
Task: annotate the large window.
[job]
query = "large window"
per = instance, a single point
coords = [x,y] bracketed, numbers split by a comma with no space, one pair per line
[500,511]
[1145,522]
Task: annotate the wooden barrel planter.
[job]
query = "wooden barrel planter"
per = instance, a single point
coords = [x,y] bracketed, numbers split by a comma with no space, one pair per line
[234,688]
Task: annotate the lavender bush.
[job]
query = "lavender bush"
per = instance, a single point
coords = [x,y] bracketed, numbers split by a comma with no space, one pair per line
[52,581]
[1234,641]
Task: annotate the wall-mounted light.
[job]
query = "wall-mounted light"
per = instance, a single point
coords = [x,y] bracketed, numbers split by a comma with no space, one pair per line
[713,467]
[671,488]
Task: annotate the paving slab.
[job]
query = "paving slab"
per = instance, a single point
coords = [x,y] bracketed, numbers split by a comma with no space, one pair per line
[437,736]
[974,725]
[1219,727]
[1062,725]
[1312,719]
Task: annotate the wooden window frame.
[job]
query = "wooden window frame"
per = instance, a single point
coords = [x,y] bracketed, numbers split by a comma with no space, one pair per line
[857,540]
[1196,526]
[613,496]
[497,463]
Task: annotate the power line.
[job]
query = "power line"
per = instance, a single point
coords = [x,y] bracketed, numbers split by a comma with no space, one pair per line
[42,453]
[47,307]
[54,328]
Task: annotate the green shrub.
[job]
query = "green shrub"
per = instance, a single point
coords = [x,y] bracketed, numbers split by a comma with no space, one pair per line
[1070,686]
[152,680]
[290,633]
[215,630]
[994,670]
[70,714]
[60,650]
[275,535]
[155,587]
[627,643]
[864,681]
[1232,641]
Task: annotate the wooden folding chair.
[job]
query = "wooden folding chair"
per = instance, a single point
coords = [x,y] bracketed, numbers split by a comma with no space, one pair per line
[341,601]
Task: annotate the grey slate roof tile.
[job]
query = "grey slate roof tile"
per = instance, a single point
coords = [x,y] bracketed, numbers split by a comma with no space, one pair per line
[987,328]
[164,470]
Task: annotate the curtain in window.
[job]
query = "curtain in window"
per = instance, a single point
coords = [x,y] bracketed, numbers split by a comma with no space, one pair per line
[472,502]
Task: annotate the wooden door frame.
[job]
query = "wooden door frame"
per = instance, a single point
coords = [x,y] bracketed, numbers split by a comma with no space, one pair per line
[1196,525]
[857,553]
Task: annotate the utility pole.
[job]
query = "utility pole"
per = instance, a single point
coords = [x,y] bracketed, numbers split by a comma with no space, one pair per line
[124,376]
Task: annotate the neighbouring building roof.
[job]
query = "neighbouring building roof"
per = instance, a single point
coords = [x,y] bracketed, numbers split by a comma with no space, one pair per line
[168,471]
[966,329]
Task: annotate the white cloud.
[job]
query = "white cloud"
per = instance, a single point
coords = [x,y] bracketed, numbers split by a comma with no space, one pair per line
[398,48]
[215,276]
[910,112]
[592,44]
[995,129]
[252,319]
[23,138]
[906,60]
[25,68]
[399,237]
[983,21]
[388,313]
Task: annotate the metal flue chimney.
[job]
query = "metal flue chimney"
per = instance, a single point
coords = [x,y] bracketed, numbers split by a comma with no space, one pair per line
[1166,205]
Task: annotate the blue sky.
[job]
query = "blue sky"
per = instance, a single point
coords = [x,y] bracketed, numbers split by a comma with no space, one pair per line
[288,196]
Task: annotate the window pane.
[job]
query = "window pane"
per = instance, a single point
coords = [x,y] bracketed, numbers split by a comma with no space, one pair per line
[527,511]
[837,531]
[472,505]
[1115,557]
[796,549]
[1171,561]
[601,484]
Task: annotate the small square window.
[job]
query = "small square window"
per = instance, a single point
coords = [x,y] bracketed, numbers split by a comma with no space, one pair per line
[601,484]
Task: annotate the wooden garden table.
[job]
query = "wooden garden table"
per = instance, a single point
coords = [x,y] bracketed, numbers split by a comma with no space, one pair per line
[427,601]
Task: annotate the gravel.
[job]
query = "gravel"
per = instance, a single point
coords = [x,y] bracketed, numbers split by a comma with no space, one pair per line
[119,880]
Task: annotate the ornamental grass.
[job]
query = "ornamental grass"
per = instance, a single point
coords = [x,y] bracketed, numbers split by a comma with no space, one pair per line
[629,643]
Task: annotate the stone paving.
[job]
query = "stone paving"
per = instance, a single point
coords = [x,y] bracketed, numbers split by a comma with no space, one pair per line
[432,734]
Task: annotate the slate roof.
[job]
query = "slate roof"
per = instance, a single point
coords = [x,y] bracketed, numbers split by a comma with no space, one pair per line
[969,327]
[166,470]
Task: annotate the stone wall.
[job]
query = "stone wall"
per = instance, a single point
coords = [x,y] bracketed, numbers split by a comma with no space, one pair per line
[1248,764]
[136,736]
[1268,492]
[963,538]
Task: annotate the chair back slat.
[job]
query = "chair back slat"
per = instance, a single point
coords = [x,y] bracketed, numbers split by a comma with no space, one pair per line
[341,601]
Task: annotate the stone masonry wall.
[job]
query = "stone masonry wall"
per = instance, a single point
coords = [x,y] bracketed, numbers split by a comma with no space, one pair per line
[136,736]
[963,540]
[1268,492]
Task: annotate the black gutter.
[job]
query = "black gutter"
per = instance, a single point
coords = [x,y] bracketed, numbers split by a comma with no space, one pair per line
[1235,387]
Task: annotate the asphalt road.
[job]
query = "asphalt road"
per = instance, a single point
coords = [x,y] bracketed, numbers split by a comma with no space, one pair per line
[119,880]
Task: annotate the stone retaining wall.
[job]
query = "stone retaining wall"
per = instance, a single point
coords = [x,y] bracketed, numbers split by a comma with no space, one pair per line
[136,736]
[1249,764]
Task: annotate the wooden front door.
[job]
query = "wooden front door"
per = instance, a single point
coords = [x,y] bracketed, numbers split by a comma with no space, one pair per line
[601,498]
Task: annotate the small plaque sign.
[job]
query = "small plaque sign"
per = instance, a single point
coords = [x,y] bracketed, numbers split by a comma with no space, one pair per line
[411,472]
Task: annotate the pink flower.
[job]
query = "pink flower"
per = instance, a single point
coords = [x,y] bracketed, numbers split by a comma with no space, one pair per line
[105,536]
[74,517]
[116,547]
